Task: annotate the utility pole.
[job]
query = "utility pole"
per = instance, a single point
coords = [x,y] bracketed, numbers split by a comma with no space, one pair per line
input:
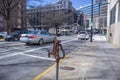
[91,22]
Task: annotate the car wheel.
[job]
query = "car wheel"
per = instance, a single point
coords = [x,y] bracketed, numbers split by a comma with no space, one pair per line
[27,43]
[41,41]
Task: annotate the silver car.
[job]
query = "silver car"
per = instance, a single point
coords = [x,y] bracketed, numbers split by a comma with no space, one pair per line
[38,36]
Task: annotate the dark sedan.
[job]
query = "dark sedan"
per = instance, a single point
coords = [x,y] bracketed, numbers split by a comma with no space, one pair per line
[15,36]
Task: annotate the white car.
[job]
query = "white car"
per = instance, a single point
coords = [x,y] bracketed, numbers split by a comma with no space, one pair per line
[37,36]
[83,35]
[3,34]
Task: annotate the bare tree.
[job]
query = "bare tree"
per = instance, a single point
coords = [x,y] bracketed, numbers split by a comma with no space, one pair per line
[57,18]
[6,7]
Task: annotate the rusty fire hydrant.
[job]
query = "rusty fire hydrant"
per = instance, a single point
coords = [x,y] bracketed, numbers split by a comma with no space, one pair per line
[55,52]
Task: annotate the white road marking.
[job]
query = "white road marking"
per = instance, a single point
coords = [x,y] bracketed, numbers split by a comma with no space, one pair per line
[14,54]
[22,53]
[10,55]
[69,40]
[39,57]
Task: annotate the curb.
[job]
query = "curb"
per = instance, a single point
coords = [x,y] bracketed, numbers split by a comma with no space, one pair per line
[39,76]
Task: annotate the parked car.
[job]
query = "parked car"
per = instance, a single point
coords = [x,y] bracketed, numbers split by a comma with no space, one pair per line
[15,36]
[37,36]
[3,34]
[1,37]
[83,35]
[97,31]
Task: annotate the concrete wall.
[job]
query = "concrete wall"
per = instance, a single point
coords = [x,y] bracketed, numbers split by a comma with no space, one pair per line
[112,3]
[113,34]
[113,30]
[116,36]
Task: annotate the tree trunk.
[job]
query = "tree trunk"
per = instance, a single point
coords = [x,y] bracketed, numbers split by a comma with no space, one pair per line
[56,30]
[8,26]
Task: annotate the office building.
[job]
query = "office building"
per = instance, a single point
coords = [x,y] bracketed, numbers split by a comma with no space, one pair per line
[99,14]
[100,1]
[41,17]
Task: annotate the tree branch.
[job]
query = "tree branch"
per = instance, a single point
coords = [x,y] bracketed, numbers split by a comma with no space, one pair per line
[16,2]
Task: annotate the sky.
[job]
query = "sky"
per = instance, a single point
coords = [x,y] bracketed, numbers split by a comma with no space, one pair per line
[76,3]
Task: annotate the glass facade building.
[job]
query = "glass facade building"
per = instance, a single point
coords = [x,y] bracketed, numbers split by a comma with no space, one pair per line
[99,14]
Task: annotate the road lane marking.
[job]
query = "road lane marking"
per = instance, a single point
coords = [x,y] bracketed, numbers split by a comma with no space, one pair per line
[48,69]
[14,54]
[39,76]
[45,72]
[9,45]
[14,44]
[10,55]
[1,39]
[39,57]
[68,40]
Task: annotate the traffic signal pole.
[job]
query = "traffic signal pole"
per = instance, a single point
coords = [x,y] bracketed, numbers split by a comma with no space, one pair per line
[91,36]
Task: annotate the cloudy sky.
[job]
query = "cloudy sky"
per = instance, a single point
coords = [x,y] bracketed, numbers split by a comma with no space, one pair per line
[76,3]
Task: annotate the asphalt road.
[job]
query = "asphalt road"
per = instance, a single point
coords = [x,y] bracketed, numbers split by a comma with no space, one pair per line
[23,62]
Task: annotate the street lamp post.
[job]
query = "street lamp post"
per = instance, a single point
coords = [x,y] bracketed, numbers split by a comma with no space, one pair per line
[91,21]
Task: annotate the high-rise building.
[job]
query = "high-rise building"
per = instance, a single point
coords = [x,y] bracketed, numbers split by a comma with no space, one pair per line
[100,1]
[99,14]
[80,17]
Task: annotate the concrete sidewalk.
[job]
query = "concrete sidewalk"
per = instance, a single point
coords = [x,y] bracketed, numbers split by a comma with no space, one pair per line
[97,60]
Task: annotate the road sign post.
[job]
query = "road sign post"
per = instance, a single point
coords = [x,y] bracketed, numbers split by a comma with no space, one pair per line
[91,21]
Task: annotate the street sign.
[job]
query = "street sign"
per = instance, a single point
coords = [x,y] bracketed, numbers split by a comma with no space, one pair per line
[92,24]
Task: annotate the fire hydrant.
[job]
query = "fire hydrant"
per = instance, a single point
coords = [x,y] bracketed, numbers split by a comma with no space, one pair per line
[55,52]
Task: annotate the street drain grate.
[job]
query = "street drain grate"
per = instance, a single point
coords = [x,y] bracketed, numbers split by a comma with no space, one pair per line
[67,68]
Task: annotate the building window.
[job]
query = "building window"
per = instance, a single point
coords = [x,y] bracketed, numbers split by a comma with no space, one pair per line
[119,12]
[112,15]
[64,4]
[53,7]
[57,7]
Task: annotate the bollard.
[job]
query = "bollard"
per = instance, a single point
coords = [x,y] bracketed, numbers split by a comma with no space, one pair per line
[55,52]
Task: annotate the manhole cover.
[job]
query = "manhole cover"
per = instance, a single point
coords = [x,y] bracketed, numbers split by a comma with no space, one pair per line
[67,68]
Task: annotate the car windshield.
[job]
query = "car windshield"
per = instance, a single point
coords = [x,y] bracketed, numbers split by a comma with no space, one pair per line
[13,33]
[82,32]
[32,32]
[3,32]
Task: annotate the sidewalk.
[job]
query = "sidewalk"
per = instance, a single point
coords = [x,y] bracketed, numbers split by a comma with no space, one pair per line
[98,60]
